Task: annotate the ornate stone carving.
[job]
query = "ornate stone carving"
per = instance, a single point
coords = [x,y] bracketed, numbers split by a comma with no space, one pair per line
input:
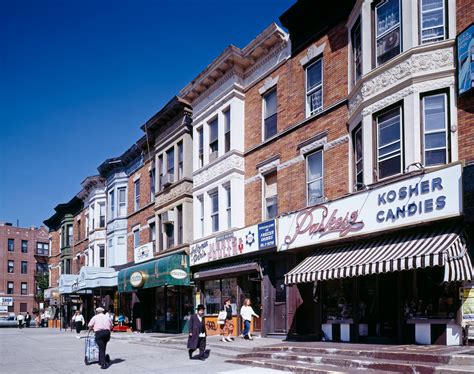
[207,174]
[268,84]
[312,52]
[173,193]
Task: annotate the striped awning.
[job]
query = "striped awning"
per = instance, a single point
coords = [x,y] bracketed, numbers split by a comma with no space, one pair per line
[445,247]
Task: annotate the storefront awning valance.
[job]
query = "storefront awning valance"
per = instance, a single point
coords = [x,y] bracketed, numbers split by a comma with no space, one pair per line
[66,281]
[445,247]
[91,277]
[227,271]
[171,270]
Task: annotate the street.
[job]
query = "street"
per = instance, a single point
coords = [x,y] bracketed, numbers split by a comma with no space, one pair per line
[53,351]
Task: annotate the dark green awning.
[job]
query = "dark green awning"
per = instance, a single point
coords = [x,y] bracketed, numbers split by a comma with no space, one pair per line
[171,270]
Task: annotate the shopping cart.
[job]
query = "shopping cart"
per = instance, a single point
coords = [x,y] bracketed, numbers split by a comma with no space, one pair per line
[91,349]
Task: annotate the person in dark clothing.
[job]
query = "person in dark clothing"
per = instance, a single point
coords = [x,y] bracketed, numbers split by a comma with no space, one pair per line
[227,327]
[27,319]
[101,325]
[197,333]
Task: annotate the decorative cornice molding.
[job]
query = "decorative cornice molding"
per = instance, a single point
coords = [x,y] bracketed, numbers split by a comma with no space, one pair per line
[180,190]
[313,146]
[312,52]
[234,162]
[268,84]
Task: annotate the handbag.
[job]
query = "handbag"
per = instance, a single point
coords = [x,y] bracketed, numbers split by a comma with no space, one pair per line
[221,317]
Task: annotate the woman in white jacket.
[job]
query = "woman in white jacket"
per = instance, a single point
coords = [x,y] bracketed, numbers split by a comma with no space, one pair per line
[247,312]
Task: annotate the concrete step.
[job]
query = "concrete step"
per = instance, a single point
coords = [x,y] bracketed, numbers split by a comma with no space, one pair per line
[454,369]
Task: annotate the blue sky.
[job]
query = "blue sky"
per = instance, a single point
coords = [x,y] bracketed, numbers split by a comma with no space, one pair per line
[79,78]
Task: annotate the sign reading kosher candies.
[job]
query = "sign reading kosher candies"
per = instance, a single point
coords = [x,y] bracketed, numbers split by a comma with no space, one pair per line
[234,243]
[429,196]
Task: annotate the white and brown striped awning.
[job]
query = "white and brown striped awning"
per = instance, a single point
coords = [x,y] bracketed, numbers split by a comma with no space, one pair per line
[445,247]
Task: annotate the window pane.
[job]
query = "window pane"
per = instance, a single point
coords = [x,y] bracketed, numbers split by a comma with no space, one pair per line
[389,127]
[315,166]
[389,167]
[389,149]
[431,4]
[433,18]
[213,130]
[436,140]
[388,46]
[315,191]
[270,126]
[315,101]
[215,203]
[435,157]
[313,75]
[388,15]
[272,207]
[270,104]
[434,107]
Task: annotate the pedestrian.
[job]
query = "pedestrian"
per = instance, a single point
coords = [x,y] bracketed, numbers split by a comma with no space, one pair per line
[247,313]
[197,333]
[101,325]
[20,318]
[227,326]
[37,321]
[78,320]
[42,319]
[27,319]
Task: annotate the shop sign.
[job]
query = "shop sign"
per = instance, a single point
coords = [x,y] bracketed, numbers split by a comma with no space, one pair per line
[178,274]
[137,279]
[3,308]
[235,243]
[465,60]
[425,197]
[143,252]
[6,301]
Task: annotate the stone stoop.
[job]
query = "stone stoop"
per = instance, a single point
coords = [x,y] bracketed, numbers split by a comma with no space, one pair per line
[346,360]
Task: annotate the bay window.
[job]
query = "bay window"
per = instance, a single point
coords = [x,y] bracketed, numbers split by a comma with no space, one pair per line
[432,21]
[213,139]
[435,134]
[389,143]
[387,30]
[358,157]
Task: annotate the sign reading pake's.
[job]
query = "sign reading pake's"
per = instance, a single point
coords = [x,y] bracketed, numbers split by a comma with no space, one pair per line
[424,197]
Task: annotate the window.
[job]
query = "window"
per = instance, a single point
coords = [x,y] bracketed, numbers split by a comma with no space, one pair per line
[101,255]
[314,178]
[270,194]
[389,143]
[169,230]
[432,21]
[435,134]
[24,246]
[152,182]
[200,147]
[11,245]
[314,87]
[122,202]
[160,234]
[112,204]
[69,237]
[214,196]
[228,205]
[24,288]
[24,267]
[387,30]
[179,210]
[101,214]
[152,235]
[358,158]
[201,213]
[161,168]
[92,215]
[68,266]
[11,266]
[41,268]
[270,114]
[180,161]
[227,130]
[213,139]
[170,164]
[10,288]
[87,226]
[78,229]
[136,189]
[136,238]
[121,240]
[356,41]
[42,249]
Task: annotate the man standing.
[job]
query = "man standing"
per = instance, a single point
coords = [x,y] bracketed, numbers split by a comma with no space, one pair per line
[102,326]
[197,333]
[27,319]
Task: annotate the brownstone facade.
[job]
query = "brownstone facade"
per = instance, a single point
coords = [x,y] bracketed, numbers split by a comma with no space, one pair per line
[54,258]
[81,241]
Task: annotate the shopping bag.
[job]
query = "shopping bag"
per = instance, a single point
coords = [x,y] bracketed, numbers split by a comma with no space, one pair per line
[221,317]
[91,349]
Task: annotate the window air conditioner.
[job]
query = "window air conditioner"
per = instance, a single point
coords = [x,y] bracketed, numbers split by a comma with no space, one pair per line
[167,179]
[167,218]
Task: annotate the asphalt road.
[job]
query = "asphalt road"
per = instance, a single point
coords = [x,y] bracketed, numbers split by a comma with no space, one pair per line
[46,350]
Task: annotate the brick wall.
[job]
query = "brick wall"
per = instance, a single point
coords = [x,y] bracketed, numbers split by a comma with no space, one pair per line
[81,241]
[54,258]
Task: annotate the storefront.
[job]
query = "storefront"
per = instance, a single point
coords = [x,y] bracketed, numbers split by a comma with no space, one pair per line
[394,260]
[69,301]
[51,305]
[237,265]
[156,295]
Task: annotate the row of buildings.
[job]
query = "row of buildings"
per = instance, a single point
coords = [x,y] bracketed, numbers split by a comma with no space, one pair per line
[326,173]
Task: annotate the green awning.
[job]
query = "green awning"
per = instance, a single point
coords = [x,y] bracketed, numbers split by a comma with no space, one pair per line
[172,270]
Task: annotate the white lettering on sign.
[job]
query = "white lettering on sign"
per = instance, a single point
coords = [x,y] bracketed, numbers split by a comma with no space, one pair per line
[178,274]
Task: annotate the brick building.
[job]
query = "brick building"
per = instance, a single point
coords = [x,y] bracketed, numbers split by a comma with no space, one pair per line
[23,254]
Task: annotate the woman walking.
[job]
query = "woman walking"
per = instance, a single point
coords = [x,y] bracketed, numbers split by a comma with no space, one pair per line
[247,312]
[226,328]
[78,320]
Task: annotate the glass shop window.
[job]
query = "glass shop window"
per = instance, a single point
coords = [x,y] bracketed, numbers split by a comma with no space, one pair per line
[337,299]
[212,295]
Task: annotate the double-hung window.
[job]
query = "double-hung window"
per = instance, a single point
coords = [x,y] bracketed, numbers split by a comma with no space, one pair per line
[270,114]
[387,30]
[11,266]
[122,202]
[24,267]
[179,219]
[200,147]
[161,172]
[270,194]
[112,204]
[435,134]
[389,143]
[314,177]
[201,213]
[358,157]
[136,190]
[69,237]
[213,139]
[10,288]
[227,130]
[11,245]
[24,288]
[432,21]
[101,255]
[24,246]
[101,214]
[228,205]
[170,164]
[356,41]
[214,197]
[152,181]
[136,238]
[314,87]
[180,161]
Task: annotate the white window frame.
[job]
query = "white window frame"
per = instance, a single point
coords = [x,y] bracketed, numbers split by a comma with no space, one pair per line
[401,149]
[446,134]
[228,193]
[180,148]
[321,178]
[214,214]
[201,213]
[432,40]
[200,146]
[136,237]
[136,193]
[386,32]
[356,78]
[264,112]
[315,89]
[122,204]
[227,130]
[265,215]
[214,120]
[355,160]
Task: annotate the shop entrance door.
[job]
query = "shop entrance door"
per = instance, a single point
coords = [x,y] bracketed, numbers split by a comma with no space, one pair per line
[279,307]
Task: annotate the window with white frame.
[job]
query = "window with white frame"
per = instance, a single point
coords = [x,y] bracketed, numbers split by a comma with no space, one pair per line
[152,181]
[201,214]
[200,147]
[136,238]
[161,172]
[24,288]
[136,191]
[10,288]
[11,266]
[387,30]
[270,195]
[168,228]
[228,205]
[270,114]
[170,164]
[180,161]
[213,139]
[101,214]
[152,235]
[356,41]
[69,237]
[314,87]
[358,157]
[314,177]
[120,240]
[122,202]
[112,204]
[101,255]
[435,134]
[389,143]
[179,223]
[92,215]
[432,21]
[227,130]
[214,198]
